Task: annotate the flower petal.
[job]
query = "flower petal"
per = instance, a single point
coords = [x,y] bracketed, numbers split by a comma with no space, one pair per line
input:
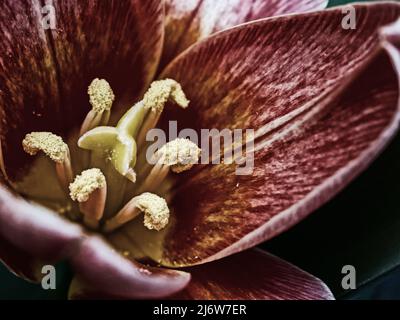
[120,41]
[20,263]
[107,272]
[29,98]
[36,230]
[288,78]
[253,275]
[192,20]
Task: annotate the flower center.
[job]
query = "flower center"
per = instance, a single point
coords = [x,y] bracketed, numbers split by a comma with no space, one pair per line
[108,192]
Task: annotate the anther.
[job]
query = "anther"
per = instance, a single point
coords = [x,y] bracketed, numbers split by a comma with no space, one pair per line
[178,155]
[155,209]
[55,148]
[101,97]
[90,190]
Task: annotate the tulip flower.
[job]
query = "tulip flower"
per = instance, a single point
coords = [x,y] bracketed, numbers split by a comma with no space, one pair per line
[77,101]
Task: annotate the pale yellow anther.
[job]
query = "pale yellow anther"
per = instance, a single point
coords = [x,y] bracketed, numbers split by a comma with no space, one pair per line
[51,144]
[155,209]
[161,91]
[86,183]
[101,95]
[180,154]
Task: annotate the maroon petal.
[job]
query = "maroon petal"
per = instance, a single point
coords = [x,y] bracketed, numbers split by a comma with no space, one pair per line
[120,41]
[253,275]
[29,96]
[289,79]
[30,234]
[391,42]
[20,263]
[107,272]
[35,230]
[191,20]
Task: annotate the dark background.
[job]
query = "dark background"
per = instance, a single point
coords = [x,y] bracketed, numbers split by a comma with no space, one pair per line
[360,227]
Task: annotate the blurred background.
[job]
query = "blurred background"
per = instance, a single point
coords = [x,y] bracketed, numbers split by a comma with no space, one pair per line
[360,227]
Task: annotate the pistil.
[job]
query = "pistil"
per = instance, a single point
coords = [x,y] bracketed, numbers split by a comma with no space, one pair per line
[90,190]
[56,149]
[155,209]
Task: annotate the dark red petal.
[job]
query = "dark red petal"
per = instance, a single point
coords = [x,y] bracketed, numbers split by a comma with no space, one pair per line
[120,41]
[253,274]
[36,230]
[288,78]
[391,42]
[19,262]
[191,20]
[29,96]
[37,233]
[108,272]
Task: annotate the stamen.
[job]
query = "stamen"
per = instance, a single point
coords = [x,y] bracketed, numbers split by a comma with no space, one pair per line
[161,91]
[155,208]
[155,99]
[55,148]
[90,190]
[178,155]
[101,97]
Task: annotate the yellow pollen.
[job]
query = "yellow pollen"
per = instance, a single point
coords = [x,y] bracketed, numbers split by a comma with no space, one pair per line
[51,144]
[101,95]
[161,91]
[155,208]
[85,183]
[180,154]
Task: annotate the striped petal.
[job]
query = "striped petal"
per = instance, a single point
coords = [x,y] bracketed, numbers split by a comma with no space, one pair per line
[106,273]
[120,41]
[189,21]
[29,98]
[323,102]
[19,262]
[253,275]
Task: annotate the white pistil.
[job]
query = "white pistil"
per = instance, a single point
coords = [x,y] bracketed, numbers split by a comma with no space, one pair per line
[56,149]
[101,98]
[90,190]
[155,209]
[159,93]
[178,155]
